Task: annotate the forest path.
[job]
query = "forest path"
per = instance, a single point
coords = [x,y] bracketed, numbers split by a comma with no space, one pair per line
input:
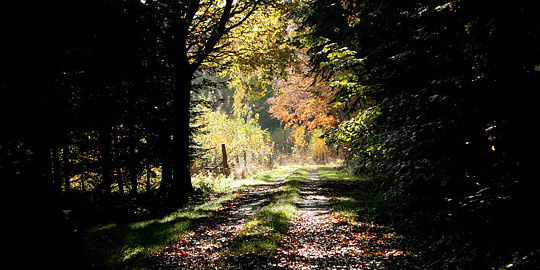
[315,196]
[319,239]
[315,238]
[202,248]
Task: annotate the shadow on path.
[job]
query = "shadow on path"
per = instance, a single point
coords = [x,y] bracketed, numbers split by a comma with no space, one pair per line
[318,239]
[315,196]
[201,248]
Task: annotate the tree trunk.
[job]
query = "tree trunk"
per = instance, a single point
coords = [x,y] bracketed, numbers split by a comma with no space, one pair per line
[133,173]
[118,161]
[148,177]
[106,159]
[120,179]
[181,186]
[166,161]
[67,168]
[183,73]
[57,175]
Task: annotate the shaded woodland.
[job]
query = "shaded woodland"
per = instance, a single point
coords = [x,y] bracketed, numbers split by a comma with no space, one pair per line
[441,94]
[114,108]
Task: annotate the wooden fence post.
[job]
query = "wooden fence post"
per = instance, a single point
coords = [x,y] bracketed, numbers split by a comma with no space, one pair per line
[225,164]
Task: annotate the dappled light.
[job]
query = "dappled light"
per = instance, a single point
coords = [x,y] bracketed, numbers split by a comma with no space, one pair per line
[259,134]
[329,241]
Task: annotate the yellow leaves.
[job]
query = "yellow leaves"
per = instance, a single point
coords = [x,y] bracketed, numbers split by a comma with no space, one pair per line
[346,3]
[236,134]
[318,145]
[299,137]
[259,50]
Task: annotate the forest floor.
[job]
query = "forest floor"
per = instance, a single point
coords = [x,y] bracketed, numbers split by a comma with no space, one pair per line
[295,221]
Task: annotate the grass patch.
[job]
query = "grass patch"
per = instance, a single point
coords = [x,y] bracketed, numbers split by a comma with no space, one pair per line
[131,245]
[263,233]
[270,175]
[218,184]
[334,174]
[359,198]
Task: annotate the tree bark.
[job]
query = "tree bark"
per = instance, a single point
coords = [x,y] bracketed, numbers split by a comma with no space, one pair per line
[181,185]
[148,176]
[57,176]
[184,69]
[133,170]
[166,161]
[106,159]
[120,179]
[67,168]
[119,163]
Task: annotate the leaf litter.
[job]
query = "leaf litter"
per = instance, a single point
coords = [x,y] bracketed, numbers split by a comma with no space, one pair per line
[316,238]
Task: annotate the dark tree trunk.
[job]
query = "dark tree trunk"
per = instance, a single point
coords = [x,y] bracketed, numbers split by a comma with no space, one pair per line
[106,159]
[57,174]
[133,173]
[148,176]
[225,165]
[67,168]
[181,186]
[119,179]
[118,161]
[184,69]
[166,161]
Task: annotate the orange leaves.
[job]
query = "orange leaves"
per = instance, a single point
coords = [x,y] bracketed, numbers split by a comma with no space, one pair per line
[303,103]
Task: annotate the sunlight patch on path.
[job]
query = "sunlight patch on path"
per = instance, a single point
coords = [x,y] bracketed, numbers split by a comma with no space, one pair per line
[315,196]
[319,239]
[202,248]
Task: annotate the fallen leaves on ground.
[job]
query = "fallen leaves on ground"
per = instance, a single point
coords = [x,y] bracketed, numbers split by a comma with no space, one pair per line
[203,248]
[322,241]
[331,242]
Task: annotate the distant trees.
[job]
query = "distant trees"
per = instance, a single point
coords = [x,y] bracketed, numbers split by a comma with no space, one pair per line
[248,145]
[303,102]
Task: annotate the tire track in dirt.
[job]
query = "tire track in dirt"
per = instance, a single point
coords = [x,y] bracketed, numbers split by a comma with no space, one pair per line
[317,239]
[315,196]
[202,248]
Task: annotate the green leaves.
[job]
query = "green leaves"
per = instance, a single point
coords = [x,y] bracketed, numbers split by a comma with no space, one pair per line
[424,83]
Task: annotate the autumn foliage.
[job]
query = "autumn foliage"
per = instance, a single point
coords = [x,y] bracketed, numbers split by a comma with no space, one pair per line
[303,102]
[245,141]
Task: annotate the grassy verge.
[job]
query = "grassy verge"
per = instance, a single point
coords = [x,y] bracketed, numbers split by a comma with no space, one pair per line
[218,184]
[263,233]
[359,199]
[131,245]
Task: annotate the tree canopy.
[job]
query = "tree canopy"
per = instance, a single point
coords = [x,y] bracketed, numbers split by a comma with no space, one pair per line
[103,101]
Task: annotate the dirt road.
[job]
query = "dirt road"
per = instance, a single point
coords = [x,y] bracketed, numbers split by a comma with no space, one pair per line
[316,238]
